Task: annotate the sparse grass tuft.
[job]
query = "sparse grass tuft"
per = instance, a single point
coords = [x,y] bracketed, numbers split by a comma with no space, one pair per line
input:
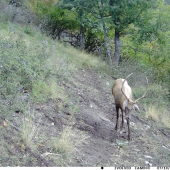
[29,129]
[40,91]
[153,113]
[82,59]
[57,91]
[64,144]
[165,118]
[159,115]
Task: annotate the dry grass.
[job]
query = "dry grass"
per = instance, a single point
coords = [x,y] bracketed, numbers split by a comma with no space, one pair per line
[65,60]
[64,143]
[68,141]
[153,113]
[57,91]
[28,131]
[81,59]
[165,118]
[65,146]
[158,115]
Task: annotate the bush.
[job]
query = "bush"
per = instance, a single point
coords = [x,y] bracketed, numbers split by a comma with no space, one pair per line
[53,19]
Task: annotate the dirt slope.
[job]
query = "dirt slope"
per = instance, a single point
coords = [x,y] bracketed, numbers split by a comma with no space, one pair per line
[92,126]
[104,146]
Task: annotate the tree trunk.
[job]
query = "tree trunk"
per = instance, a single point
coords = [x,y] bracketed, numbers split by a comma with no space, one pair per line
[117,47]
[81,37]
[107,44]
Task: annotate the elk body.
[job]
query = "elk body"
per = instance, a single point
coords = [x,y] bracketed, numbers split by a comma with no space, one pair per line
[122,93]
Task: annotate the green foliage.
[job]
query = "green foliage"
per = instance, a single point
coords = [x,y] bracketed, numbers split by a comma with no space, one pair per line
[60,21]
[167,2]
[40,91]
[54,19]
[124,13]
[28,30]
[148,42]
[144,26]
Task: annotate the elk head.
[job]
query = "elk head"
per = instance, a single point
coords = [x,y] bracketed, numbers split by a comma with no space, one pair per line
[129,104]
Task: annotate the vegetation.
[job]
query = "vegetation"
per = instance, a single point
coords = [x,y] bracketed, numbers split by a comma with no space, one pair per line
[34,67]
[142,25]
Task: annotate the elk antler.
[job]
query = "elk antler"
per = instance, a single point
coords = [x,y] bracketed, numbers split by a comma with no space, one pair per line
[123,84]
[144,93]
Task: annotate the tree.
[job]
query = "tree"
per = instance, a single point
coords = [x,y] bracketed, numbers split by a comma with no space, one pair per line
[53,19]
[119,13]
[84,8]
[71,5]
[123,13]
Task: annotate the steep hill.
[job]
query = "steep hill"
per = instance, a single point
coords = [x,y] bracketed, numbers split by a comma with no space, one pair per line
[57,108]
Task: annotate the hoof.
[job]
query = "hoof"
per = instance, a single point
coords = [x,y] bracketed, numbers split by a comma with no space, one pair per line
[116,129]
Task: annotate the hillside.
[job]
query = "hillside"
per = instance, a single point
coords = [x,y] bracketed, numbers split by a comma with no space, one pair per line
[57,108]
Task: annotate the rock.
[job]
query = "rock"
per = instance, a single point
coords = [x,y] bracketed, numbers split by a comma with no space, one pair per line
[148,163]
[147,156]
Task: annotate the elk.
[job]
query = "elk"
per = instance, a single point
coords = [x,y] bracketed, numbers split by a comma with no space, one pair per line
[122,93]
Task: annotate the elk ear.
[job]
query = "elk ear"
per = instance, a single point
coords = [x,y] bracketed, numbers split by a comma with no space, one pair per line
[136,108]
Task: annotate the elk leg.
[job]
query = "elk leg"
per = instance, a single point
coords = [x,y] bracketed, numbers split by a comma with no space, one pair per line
[117,118]
[122,119]
[129,132]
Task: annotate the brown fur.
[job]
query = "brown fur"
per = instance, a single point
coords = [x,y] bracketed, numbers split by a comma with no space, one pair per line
[122,103]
